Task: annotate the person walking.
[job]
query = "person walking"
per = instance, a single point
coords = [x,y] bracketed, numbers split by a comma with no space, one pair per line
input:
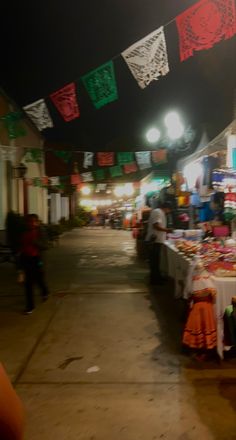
[32,244]
[156,236]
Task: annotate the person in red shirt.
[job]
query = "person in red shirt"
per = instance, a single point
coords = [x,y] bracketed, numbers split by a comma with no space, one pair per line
[32,265]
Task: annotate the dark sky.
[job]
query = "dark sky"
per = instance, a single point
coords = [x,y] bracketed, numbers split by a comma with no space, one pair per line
[48,43]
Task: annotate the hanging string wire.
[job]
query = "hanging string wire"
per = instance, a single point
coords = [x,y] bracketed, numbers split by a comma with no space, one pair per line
[110,59]
[164,26]
[73,151]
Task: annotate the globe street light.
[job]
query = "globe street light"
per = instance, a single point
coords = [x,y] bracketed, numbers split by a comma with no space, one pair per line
[171,119]
[174,125]
[176,132]
[153,135]
[175,128]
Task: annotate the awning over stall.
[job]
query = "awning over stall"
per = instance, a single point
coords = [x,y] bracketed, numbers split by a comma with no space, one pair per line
[219,143]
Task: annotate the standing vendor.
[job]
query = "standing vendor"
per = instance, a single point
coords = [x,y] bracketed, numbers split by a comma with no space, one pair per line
[156,236]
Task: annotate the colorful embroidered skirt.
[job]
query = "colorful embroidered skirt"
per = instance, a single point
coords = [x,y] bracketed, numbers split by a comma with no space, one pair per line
[200,330]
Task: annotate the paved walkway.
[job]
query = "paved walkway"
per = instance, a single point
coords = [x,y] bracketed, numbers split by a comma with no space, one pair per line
[102,358]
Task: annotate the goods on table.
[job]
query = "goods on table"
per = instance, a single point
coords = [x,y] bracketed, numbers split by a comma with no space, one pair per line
[218,257]
[188,248]
[225,273]
[222,269]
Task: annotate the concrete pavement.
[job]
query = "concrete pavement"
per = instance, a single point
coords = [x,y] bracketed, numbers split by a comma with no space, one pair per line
[102,358]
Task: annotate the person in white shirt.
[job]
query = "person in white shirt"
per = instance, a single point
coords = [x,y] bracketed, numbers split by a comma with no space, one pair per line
[156,236]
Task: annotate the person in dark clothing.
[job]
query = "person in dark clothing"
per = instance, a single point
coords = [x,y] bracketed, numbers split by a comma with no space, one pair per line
[32,244]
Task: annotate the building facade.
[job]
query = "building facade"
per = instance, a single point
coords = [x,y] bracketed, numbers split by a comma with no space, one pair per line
[15,194]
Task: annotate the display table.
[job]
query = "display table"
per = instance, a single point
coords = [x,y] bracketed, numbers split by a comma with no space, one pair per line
[180,269]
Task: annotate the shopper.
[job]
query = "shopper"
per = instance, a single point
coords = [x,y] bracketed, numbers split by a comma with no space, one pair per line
[156,236]
[32,245]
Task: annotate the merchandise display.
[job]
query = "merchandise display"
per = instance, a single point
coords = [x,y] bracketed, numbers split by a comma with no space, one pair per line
[218,257]
[203,198]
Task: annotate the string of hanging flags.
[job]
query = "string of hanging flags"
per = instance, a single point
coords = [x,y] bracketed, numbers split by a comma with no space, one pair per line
[130,161]
[105,165]
[199,27]
[61,183]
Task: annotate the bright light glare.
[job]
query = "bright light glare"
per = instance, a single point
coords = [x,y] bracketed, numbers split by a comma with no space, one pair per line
[128,216]
[119,191]
[231,141]
[153,135]
[86,190]
[124,190]
[90,203]
[128,189]
[231,144]
[153,186]
[85,202]
[174,125]
[172,119]
[192,172]
[176,131]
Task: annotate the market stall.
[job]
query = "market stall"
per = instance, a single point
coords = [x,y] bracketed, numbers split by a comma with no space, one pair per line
[223,143]
[206,186]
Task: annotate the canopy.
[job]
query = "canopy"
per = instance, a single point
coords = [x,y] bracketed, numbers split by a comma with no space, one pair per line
[219,143]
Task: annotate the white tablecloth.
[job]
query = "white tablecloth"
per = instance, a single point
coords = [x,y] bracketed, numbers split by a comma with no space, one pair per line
[180,269]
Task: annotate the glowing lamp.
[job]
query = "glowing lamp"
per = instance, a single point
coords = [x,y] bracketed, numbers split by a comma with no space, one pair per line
[86,190]
[153,135]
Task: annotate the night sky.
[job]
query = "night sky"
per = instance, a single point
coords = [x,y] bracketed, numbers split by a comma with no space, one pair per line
[46,44]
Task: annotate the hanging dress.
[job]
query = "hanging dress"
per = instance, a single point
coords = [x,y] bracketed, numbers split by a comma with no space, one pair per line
[200,329]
